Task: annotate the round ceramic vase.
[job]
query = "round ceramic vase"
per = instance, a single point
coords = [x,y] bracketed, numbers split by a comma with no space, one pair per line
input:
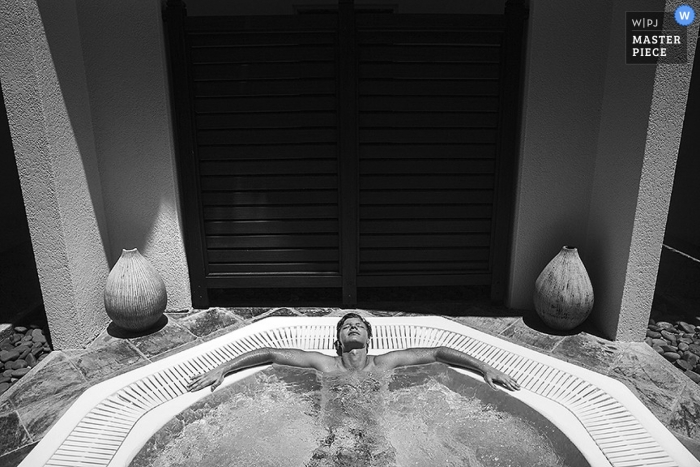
[563,291]
[135,295]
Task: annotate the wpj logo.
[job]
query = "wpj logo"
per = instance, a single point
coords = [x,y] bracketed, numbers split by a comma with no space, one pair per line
[646,23]
[684,15]
[658,37]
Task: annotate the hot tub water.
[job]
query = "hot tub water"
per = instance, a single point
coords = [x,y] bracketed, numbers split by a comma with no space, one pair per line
[417,416]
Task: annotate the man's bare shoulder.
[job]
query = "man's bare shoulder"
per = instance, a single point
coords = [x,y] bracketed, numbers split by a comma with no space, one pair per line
[397,358]
[304,359]
[324,363]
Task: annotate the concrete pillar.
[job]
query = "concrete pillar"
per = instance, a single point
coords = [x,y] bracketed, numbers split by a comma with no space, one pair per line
[56,162]
[656,174]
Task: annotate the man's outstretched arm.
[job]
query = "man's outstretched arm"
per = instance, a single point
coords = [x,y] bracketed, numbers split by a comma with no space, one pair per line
[420,356]
[258,357]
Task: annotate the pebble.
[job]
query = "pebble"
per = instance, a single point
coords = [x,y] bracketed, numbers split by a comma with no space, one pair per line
[31,360]
[694,376]
[20,363]
[669,336]
[38,336]
[671,356]
[7,355]
[689,328]
[683,365]
[4,387]
[653,334]
[23,371]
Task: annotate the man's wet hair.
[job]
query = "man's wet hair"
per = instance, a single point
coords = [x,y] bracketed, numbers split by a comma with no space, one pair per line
[338,346]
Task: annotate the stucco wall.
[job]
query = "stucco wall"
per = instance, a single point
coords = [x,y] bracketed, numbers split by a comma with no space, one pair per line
[620,124]
[563,91]
[86,91]
[624,121]
[95,153]
[125,66]
[55,166]
[663,135]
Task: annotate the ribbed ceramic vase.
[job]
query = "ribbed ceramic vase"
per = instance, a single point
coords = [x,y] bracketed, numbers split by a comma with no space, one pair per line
[563,291]
[135,295]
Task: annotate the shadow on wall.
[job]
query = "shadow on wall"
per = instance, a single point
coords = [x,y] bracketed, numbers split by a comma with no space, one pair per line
[62,34]
[20,293]
[117,122]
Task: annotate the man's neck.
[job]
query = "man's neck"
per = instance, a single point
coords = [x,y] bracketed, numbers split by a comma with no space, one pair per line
[355,359]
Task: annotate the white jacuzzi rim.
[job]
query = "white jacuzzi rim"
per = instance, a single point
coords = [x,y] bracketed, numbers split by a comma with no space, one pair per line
[155,418]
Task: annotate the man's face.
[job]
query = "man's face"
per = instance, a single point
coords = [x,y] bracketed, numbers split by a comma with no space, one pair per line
[353,334]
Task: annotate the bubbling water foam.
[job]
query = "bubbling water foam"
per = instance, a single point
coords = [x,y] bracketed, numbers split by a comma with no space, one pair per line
[291,417]
[429,424]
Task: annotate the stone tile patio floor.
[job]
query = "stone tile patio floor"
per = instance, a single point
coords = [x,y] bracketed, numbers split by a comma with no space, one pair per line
[38,400]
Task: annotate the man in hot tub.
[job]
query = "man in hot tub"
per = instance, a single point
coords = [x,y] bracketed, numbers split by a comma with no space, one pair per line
[353,385]
[352,342]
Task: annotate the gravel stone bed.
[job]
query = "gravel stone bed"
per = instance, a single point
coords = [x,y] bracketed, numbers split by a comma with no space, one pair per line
[679,343]
[21,351]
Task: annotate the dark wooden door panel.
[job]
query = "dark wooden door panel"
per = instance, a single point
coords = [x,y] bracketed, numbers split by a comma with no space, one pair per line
[344,150]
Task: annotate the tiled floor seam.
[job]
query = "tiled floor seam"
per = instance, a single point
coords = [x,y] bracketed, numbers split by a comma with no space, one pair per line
[515,339]
[26,430]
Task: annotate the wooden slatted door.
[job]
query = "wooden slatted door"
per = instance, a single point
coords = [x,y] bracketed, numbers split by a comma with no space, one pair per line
[428,117]
[342,150]
[265,111]
[264,152]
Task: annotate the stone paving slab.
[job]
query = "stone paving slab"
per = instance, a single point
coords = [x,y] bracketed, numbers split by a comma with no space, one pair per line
[55,376]
[40,416]
[171,337]
[204,324]
[588,351]
[12,433]
[108,361]
[523,334]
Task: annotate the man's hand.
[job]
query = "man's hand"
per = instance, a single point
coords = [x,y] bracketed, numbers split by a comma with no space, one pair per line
[492,376]
[212,378]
